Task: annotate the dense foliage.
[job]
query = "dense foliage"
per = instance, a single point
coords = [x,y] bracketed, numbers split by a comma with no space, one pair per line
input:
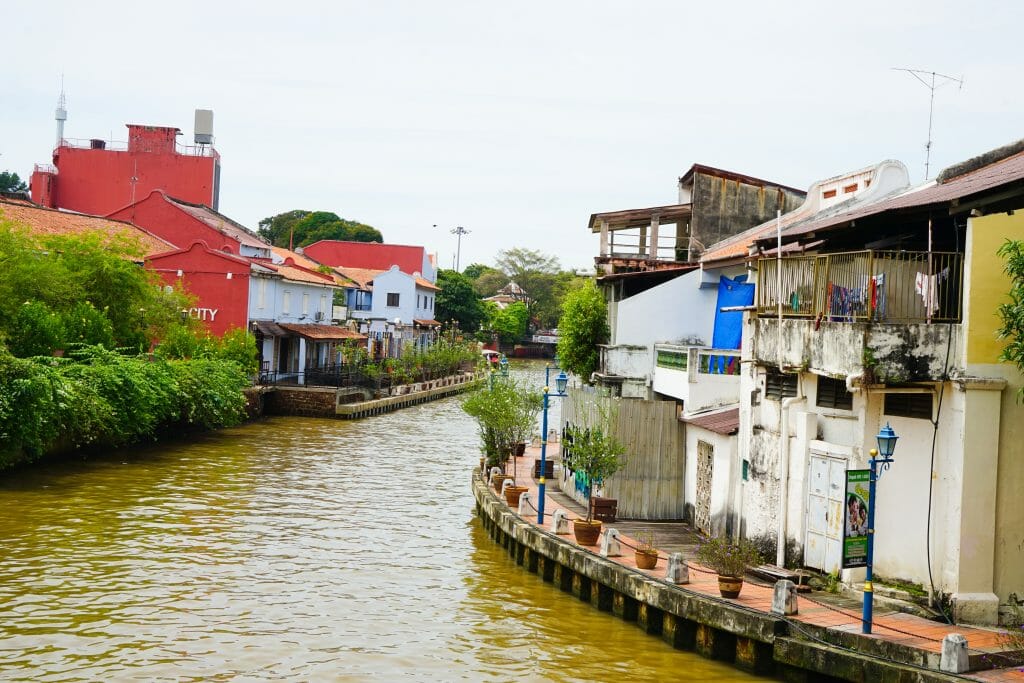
[584,325]
[301,228]
[447,356]
[59,290]
[456,303]
[103,398]
[1012,314]
[727,558]
[10,182]
[509,323]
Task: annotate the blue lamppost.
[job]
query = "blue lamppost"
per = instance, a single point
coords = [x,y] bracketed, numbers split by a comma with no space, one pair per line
[883,458]
[503,363]
[560,383]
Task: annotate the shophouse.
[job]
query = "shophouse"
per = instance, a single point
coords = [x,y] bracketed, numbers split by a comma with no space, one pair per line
[886,313]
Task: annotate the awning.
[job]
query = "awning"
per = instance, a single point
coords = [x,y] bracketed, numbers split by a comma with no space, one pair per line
[321,332]
[426,323]
[269,329]
[726,422]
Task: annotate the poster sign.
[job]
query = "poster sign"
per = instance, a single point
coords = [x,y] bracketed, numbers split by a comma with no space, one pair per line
[855,518]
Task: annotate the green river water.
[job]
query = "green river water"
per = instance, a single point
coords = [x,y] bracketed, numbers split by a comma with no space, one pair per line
[292,549]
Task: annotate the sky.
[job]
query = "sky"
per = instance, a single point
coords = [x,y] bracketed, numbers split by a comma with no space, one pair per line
[516,121]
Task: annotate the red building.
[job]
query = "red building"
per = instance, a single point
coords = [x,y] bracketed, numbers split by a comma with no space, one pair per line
[218,280]
[98,177]
[373,256]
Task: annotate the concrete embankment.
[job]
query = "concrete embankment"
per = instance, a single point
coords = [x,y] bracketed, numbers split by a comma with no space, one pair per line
[344,403]
[753,639]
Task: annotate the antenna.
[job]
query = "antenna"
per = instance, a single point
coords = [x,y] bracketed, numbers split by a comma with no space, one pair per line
[61,115]
[919,74]
[460,231]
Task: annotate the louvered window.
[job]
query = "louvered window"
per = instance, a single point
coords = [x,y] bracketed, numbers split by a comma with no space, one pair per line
[779,385]
[832,393]
[909,405]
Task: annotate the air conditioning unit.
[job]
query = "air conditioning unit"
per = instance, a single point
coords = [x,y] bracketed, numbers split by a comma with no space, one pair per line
[319,315]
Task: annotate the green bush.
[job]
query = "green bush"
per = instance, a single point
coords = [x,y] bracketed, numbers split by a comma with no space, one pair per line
[35,330]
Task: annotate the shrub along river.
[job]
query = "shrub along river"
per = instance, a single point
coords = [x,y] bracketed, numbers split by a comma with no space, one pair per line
[292,549]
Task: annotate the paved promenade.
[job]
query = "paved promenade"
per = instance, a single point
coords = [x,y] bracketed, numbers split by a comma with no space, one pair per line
[821,616]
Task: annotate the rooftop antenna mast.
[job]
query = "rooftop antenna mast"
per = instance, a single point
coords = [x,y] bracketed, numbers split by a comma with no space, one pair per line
[927,78]
[62,113]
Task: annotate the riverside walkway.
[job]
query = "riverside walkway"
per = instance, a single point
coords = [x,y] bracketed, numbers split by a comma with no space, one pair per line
[830,620]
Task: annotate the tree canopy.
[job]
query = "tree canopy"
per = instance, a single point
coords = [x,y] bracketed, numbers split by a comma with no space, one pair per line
[10,182]
[301,228]
[583,326]
[58,290]
[457,303]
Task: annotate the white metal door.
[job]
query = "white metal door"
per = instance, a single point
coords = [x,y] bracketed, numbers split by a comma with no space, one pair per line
[826,482]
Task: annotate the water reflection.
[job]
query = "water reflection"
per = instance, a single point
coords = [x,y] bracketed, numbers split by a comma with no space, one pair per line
[291,548]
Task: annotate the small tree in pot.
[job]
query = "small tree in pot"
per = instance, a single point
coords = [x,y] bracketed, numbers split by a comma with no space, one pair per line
[598,455]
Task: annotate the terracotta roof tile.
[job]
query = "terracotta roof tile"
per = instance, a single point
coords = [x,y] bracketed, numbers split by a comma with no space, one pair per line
[321,332]
[361,276]
[43,221]
[220,223]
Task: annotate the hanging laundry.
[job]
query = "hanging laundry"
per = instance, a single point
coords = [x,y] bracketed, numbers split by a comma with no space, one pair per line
[927,286]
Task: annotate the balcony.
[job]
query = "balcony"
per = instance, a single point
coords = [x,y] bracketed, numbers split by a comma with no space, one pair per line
[863,286]
[698,376]
[881,317]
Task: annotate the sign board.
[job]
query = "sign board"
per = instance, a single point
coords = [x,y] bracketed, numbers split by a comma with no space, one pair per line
[855,518]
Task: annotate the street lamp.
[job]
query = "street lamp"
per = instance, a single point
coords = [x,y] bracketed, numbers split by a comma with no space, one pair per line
[883,456]
[560,383]
[459,231]
[503,364]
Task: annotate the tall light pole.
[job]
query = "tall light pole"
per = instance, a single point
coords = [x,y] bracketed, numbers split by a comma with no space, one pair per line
[886,445]
[560,383]
[460,231]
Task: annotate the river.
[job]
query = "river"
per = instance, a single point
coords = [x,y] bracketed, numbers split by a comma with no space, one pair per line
[292,549]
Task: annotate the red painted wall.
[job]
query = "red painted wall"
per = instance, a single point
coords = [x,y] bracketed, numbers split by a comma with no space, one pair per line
[409,259]
[98,181]
[167,221]
[204,274]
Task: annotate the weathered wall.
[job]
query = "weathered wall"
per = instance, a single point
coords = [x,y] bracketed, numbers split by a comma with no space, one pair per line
[724,207]
[304,401]
[674,311]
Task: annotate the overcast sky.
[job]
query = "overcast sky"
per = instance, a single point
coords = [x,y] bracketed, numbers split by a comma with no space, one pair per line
[514,120]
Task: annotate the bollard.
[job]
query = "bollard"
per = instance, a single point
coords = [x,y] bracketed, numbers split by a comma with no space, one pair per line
[505,484]
[954,654]
[494,470]
[784,598]
[525,504]
[559,522]
[610,546]
[677,571]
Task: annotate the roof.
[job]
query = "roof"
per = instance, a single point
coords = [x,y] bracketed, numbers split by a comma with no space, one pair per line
[951,192]
[370,255]
[268,328]
[362,277]
[725,422]
[320,332]
[219,222]
[635,218]
[295,274]
[426,284]
[730,175]
[426,323]
[43,221]
[666,273]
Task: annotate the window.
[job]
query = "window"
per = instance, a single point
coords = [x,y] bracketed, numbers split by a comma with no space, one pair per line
[323,304]
[392,299]
[828,194]
[778,385]
[909,405]
[261,289]
[286,302]
[832,393]
[850,188]
[418,301]
[305,303]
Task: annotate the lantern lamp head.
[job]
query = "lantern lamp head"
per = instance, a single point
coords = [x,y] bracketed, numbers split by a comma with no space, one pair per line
[561,382]
[886,441]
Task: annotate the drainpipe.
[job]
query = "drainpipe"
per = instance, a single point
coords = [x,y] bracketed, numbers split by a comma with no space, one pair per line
[780,554]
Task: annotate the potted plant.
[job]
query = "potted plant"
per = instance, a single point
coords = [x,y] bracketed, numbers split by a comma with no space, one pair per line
[730,560]
[646,553]
[597,455]
[506,413]
[513,493]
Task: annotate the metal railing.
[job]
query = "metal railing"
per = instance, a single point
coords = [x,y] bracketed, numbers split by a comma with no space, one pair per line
[718,362]
[626,244]
[864,286]
[122,146]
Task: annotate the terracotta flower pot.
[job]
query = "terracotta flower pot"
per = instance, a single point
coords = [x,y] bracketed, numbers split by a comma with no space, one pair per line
[646,559]
[498,479]
[586,533]
[730,586]
[512,494]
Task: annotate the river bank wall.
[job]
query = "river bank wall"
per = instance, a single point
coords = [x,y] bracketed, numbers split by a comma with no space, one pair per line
[754,641]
